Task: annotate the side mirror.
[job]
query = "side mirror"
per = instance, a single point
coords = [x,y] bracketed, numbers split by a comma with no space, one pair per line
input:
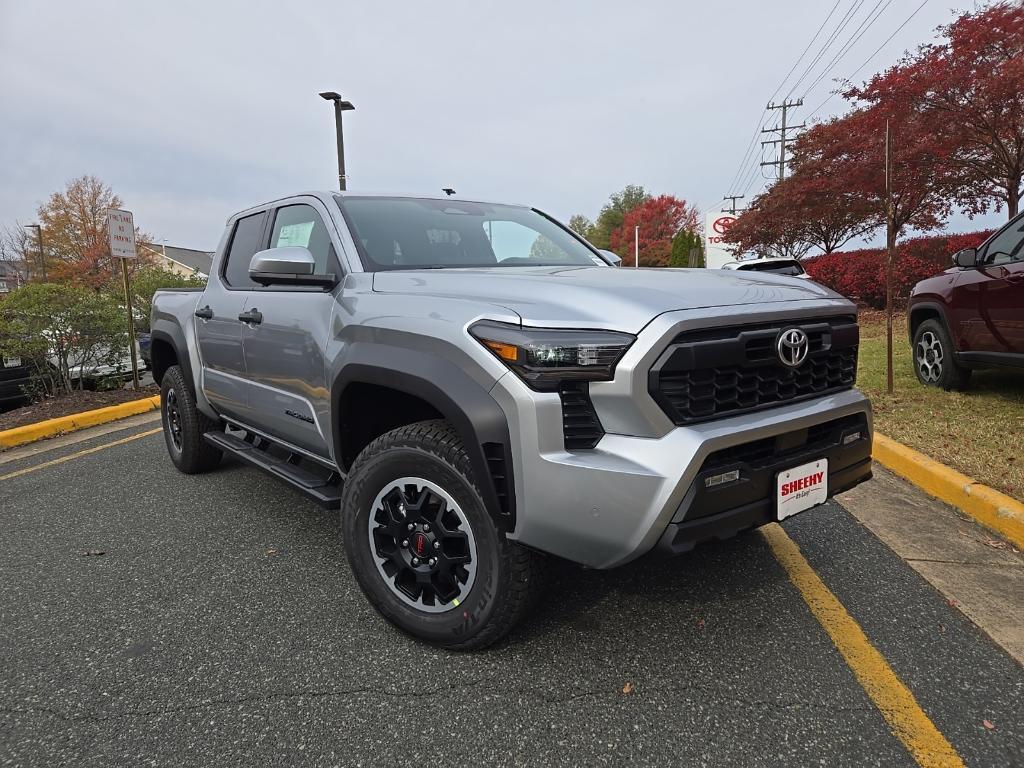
[611,257]
[967,258]
[287,265]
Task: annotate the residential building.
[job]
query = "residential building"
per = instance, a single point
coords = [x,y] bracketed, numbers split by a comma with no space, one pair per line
[183,261]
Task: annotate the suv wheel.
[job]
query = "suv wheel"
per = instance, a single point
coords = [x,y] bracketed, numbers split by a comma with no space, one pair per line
[422,545]
[933,358]
[184,425]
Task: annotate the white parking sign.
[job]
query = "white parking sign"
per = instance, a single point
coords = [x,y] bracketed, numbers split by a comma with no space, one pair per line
[121,231]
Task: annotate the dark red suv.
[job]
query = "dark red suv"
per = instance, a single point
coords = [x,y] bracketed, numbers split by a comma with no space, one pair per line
[972,315]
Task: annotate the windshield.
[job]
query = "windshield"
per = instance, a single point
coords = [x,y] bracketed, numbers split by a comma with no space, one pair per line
[414,233]
[775,267]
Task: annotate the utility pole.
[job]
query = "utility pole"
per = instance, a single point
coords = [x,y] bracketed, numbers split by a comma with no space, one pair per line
[732,203]
[782,130]
[890,252]
[340,105]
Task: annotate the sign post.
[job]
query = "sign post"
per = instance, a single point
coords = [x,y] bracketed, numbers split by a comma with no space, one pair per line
[121,231]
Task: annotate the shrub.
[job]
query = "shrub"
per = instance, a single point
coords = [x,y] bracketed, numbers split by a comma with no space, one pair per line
[860,274]
[55,328]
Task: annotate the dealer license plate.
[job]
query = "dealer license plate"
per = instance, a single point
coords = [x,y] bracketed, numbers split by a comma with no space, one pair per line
[801,488]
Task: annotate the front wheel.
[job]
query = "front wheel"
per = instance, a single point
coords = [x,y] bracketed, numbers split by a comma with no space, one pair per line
[933,358]
[184,425]
[423,547]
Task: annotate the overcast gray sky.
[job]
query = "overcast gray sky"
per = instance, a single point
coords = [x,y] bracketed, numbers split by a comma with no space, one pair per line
[192,110]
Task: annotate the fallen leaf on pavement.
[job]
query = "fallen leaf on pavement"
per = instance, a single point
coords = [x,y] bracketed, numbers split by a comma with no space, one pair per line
[92,553]
[271,552]
[988,725]
[628,689]
[996,543]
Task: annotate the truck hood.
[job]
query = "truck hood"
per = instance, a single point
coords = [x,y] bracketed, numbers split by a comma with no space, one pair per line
[622,299]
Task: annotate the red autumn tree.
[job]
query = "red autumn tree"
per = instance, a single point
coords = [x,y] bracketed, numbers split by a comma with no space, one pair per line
[74,223]
[660,219]
[845,157]
[802,211]
[969,90]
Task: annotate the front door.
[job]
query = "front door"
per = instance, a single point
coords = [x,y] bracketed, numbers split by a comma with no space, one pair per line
[990,299]
[289,394]
[218,329]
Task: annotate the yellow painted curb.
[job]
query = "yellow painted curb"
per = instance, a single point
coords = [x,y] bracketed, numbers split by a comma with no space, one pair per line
[997,511]
[29,433]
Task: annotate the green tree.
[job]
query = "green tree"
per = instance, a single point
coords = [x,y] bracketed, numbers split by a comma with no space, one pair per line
[57,328]
[147,281]
[614,212]
[581,225]
[685,241]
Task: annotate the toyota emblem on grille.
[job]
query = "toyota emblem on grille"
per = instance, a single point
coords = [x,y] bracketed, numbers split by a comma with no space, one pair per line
[793,347]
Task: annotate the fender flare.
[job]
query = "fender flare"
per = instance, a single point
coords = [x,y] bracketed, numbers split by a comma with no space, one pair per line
[939,307]
[467,405]
[173,335]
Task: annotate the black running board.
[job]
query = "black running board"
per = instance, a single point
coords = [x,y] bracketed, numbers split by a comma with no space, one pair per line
[322,486]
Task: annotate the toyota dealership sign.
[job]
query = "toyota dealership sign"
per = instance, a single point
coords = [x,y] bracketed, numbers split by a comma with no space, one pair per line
[716,252]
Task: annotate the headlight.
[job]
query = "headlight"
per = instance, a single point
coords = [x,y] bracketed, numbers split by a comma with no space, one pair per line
[543,357]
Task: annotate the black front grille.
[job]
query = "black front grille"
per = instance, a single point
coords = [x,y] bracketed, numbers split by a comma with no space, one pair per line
[580,425]
[717,372]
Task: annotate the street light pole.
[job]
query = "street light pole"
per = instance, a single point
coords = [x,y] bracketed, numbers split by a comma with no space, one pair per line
[340,105]
[42,254]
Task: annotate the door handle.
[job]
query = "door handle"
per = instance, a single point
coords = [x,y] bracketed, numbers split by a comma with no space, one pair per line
[204,313]
[253,316]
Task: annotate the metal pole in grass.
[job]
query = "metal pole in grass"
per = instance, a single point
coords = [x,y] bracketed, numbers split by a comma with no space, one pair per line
[890,248]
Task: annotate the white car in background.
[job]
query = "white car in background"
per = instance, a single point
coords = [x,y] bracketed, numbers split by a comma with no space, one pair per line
[776,266]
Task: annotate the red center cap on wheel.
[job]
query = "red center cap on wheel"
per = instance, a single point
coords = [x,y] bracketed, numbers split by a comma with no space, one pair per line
[420,544]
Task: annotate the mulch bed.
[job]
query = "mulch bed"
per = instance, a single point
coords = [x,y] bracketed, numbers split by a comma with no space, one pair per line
[64,405]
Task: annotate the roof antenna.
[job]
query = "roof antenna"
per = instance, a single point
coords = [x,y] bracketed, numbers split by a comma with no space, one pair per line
[448,191]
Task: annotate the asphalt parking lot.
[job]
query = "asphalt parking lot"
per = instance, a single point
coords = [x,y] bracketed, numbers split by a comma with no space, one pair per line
[221,626]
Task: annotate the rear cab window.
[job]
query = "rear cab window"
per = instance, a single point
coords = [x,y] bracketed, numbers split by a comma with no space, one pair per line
[246,240]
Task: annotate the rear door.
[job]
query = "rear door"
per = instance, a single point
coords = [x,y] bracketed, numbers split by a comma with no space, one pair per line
[218,329]
[284,352]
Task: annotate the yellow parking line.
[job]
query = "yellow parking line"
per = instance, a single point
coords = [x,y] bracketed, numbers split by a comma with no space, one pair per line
[78,454]
[894,700]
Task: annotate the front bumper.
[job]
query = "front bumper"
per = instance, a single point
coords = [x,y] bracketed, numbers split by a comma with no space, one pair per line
[609,505]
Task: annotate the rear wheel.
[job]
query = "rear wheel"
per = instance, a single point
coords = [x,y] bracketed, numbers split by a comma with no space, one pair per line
[184,425]
[934,363]
[423,547]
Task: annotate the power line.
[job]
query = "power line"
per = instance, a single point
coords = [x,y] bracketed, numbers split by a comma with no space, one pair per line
[869,58]
[858,33]
[843,22]
[740,172]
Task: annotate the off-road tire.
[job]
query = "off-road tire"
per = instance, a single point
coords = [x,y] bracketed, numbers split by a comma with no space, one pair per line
[507,579]
[942,371]
[189,452]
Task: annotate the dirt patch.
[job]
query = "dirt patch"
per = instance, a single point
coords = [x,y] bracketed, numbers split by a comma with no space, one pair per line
[64,405]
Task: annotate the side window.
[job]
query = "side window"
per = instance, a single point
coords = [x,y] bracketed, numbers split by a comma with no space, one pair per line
[302,225]
[245,241]
[1007,246]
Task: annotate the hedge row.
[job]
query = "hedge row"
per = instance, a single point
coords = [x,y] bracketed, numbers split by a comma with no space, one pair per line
[860,274]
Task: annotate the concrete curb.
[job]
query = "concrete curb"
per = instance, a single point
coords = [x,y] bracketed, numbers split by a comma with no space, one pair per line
[996,511]
[9,438]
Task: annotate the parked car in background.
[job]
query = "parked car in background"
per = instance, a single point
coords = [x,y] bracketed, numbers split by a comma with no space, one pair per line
[972,315]
[145,343]
[789,267]
[16,382]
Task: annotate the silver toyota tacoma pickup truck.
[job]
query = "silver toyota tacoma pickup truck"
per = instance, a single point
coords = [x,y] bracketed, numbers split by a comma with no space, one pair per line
[477,389]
